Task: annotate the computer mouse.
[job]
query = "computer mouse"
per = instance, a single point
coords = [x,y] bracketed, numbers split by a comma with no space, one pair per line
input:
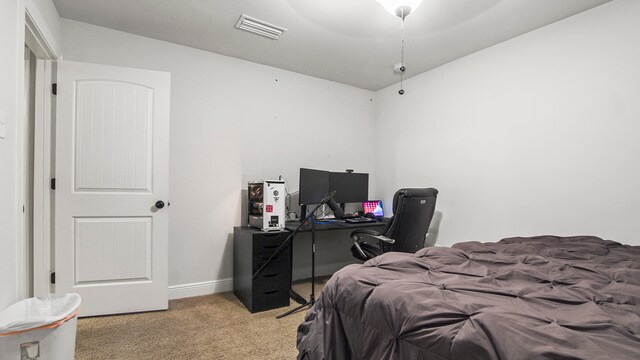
[370,215]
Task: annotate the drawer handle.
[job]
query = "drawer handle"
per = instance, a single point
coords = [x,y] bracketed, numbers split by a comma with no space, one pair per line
[270,275]
[271,292]
[271,246]
[271,235]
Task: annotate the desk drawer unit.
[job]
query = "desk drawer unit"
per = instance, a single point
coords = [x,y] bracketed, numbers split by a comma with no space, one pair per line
[251,249]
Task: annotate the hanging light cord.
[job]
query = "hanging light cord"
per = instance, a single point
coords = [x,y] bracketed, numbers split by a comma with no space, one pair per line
[402,67]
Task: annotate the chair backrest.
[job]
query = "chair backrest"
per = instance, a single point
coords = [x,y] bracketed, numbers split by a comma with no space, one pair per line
[413,210]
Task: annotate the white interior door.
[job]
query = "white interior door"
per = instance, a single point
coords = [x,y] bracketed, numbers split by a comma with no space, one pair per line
[112,166]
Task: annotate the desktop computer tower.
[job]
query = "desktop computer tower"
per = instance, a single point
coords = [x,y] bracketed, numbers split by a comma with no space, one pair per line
[267,208]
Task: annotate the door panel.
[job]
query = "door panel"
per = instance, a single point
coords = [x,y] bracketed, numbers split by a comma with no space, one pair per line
[112,156]
[113,137]
[112,250]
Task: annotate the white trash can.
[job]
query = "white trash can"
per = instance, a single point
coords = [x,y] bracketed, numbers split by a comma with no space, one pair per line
[40,328]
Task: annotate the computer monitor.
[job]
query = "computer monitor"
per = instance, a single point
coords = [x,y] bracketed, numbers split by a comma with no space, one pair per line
[349,187]
[314,186]
[374,207]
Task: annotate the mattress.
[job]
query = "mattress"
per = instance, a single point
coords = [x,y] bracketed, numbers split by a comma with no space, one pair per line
[542,297]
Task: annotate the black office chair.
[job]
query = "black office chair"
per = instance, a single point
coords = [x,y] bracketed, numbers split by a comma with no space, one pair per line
[412,213]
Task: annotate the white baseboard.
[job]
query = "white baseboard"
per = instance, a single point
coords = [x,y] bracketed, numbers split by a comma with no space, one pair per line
[224,285]
[200,288]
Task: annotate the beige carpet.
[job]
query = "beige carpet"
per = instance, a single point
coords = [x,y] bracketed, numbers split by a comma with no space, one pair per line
[206,327]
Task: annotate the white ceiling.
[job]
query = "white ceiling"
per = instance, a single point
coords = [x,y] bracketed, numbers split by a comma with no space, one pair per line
[355,42]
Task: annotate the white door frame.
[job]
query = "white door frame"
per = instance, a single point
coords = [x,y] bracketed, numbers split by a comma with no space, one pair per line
[43,162]
[39,43]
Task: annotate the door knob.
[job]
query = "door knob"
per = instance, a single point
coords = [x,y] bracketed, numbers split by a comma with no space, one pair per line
[159,204]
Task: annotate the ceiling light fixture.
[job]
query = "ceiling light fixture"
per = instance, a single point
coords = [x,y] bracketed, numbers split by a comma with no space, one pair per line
[401,9]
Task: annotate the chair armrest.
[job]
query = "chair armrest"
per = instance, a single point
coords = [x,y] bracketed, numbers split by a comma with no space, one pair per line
[357,245]
[359,234]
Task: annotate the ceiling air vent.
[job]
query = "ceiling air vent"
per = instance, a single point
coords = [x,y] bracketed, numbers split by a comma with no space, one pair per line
[259,27]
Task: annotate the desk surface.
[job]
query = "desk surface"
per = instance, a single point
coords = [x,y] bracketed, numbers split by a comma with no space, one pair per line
[337,225]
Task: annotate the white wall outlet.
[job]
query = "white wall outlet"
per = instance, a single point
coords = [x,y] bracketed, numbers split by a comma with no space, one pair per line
[3,125]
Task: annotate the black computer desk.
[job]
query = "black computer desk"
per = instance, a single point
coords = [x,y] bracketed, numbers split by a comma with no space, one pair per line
[291,225]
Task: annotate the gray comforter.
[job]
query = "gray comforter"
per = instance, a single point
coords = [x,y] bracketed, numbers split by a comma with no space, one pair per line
[521,298]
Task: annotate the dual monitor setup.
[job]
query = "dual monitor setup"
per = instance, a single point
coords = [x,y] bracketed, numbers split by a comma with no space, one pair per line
[349,187]
[267,199]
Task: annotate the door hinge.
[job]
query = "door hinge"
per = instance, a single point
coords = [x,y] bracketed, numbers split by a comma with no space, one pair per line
[53,183]
[54,89]
[53,277]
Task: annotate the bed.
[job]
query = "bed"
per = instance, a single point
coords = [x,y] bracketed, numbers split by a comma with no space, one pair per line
[542,297]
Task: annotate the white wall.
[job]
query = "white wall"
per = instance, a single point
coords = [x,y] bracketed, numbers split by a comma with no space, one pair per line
[11,69]
[537,135]
[232,121]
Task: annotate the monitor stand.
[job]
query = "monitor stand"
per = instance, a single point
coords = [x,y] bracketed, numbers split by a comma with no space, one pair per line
[303,212]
